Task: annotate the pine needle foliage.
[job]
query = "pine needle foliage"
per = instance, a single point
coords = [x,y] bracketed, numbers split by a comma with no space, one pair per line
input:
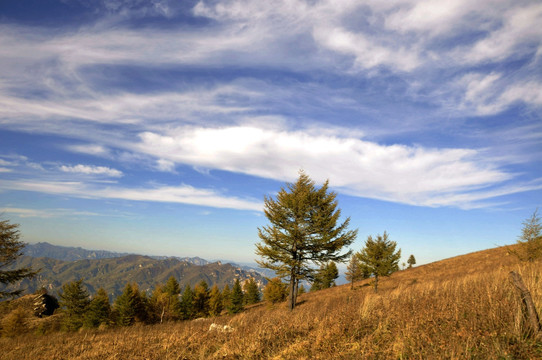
[380,257]
[252,292]
[325,277]
[356,271]
[216,303]
[187,303]
[237,298]
[99,310]
[201,299]
[530,240]
[304,230]
[10,249]
[411,261]
[275,291]
[74,300]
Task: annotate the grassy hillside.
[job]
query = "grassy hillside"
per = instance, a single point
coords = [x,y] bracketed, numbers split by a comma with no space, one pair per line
[459,308]
[113,274]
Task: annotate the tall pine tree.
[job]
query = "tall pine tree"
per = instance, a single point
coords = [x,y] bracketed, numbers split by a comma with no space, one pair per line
[304,230]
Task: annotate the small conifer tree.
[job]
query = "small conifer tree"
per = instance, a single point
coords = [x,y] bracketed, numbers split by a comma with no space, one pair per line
[411,261]
[74,301]
[201,299]
[215,301]
[237,298]
[380,257]
[354,270]
[252,292]
[187,303]
[275,291]
[530,240]
[131,306]
[172,287]
[226,297]
[325,277]
[99,310]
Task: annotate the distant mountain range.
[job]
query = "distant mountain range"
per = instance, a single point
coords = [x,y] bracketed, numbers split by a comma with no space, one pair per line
[68,253]
[112,271]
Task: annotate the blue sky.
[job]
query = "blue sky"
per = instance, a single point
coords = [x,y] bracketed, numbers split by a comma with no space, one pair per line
[157,127]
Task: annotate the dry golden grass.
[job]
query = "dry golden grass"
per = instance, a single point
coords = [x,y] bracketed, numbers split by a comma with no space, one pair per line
[459,308]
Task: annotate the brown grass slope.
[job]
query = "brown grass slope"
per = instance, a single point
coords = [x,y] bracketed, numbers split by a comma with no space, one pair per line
[458,308]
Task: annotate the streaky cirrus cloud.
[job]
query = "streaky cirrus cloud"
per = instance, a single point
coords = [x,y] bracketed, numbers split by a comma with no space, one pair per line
[338,57]
[182,194]
[45,213]
[91,170]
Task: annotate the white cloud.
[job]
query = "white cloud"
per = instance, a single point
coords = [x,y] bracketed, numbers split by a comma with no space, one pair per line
[520,33]
[411,38]
[46,213]
[91,149]
[91,170]
[183,194]
[413,175]
[418,42]
[165,165]
[488,94]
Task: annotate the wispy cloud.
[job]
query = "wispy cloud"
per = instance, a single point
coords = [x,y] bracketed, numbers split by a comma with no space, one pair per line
[326,62]
[91,170]
[45,213]
[183,194]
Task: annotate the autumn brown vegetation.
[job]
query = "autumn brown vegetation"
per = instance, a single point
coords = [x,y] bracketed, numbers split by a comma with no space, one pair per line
[459,308]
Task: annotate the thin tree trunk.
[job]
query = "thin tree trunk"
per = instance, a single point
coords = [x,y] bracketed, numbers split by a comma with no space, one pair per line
[292,298]
[376,283]
[296,289]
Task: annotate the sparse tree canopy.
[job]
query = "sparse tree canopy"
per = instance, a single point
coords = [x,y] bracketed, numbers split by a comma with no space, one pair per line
[325,277]
[356,271]
[379,257]
[10,250]
[530,240]
[303,231]
[411,261]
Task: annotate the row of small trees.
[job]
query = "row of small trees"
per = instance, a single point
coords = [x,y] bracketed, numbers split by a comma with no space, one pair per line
[166,303]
